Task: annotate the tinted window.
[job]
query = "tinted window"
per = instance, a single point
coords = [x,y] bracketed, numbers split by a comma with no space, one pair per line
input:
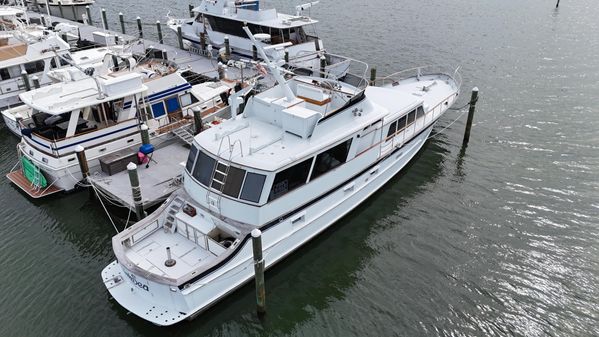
[34,67]
[158,109]
[203,169]
[401,123]
[392,129]
[234,181]
[411,117]
[290,179]
[419,112]
[172,105]
[252,188]
[191,158]
[331,158]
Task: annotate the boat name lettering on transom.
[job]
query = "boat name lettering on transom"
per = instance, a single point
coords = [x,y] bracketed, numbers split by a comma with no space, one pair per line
[137,283]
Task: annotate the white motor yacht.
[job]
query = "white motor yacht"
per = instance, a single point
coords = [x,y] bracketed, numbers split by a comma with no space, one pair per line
[301,156]
[102,113]
[71,9]
[220,19]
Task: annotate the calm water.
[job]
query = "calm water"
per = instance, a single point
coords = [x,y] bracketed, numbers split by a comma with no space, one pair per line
[502,240]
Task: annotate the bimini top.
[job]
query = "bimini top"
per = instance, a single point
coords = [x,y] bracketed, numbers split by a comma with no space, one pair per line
[65,97]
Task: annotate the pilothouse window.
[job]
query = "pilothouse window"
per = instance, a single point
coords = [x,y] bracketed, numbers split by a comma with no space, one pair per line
[203,168]
[290,179]
[252,188]
[331,158]
[233,182]
[192,157]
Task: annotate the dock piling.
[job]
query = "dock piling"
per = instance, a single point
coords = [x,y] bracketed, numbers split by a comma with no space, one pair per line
[145,134]
[259,271]
[122,21]
[104,19]
[286,55]
[221,71]
[197,119]
[25,78]
[323,65]
[180,37]
[203,41]
[60,9]
[254,52]
[36,81]
[88,12]
[136,191]
[141,32]
[159,29]
[190,6]
[473,99]
[227,48]
[373,76]
[83,165]
[164,55]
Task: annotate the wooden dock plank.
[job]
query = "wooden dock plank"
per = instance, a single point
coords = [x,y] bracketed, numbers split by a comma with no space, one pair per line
[17,178]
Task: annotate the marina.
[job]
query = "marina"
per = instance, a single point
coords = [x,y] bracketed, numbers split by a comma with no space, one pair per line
[426,212]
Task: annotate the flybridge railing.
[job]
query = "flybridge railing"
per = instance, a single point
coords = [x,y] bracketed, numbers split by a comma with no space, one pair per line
[396,78]
[336,68]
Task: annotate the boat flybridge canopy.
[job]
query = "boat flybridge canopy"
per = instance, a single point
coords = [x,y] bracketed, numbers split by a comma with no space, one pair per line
[66,97]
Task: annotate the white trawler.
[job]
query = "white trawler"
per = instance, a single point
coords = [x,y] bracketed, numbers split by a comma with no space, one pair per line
[103,114]
[218,19]
[302,155]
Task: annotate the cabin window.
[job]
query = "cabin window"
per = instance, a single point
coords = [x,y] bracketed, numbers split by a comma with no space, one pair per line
[172,104]
[187,99]
[392,129]
[234,181]
[34,67]
[203,168]
[252,187]
[192,157]
[401,123]
[290,179]
[158,109]
[10,72]
[331,158]
[411,117]
[419,112]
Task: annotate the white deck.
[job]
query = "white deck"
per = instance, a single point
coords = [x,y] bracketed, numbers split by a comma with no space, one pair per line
[156,182]
[150,254]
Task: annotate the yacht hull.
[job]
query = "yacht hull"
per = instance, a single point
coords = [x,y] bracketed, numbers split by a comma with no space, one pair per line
[166,305]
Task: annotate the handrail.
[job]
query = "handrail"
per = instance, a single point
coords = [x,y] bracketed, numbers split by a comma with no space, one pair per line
[442,69]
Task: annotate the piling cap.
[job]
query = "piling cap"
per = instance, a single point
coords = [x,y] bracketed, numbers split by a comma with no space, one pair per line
[256,233]
[23,72]
[35,78]
[120,13]
[131,167]
[144,127]
[475,89]
[79,148]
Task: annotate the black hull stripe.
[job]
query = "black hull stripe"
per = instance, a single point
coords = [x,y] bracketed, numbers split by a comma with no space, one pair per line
[295,211]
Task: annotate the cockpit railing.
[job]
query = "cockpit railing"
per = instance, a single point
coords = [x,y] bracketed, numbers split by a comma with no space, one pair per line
[396,78]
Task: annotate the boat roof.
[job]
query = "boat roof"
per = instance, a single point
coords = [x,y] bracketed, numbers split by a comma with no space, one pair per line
[10,11]
[263,17]
[40,50]
[268,147]
[65,97]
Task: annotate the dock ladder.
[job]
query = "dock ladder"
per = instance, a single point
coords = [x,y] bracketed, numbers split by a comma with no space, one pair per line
[183,134]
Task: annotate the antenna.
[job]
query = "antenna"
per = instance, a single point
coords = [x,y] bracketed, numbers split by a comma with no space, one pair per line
[275,70]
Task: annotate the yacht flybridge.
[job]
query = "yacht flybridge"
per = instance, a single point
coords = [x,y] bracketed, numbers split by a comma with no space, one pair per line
[300,156]
[223,18]
[104,114]
[71,9]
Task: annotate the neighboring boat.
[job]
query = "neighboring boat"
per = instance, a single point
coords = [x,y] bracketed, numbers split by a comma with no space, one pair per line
[302,155]
[24,48]
[85,58]
[71,9]
[102,113]
[218,19]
